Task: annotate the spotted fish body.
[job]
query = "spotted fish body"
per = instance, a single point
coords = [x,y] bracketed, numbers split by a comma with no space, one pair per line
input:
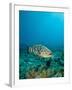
[40,50]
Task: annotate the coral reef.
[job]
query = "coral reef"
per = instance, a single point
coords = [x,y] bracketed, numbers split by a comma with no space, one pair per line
[32,66]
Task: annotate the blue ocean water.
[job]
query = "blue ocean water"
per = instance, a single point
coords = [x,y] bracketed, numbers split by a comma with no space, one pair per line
[47,29]
[42,27]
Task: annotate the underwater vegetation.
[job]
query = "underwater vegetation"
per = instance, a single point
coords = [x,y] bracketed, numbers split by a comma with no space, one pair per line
[34,66]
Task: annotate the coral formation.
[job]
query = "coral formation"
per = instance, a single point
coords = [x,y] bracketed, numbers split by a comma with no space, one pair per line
[33,66]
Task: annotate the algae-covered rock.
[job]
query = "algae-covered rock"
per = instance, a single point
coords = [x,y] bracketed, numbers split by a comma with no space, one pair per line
[31,74]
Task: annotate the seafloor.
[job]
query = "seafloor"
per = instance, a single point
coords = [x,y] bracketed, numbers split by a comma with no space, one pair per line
[31,66]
